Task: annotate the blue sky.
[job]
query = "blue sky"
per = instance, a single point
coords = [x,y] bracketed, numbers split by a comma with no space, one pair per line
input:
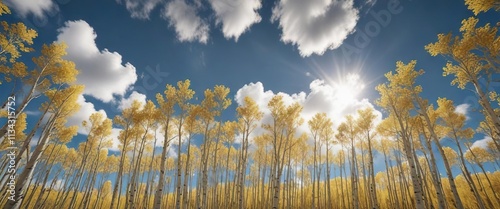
[130,49]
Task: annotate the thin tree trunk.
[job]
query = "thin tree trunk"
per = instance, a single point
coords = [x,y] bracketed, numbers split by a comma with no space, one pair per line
[27,173]
[161,181]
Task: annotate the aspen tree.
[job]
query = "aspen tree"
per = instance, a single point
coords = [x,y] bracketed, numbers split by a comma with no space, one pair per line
[51,71]
[472,56]
[62,104]
[248,114]
[453,126]
[366,126]
[126,122]
[397,100]
[348,132]
[182,96]
[213,104]
[282,129]
[166,110]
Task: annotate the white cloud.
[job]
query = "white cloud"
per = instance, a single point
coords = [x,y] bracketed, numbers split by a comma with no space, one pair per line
[482,143]
[463,109]
[32,112]
[34,141]
[115,142]
[86,109]
[140,9]
[35,7]
[171,152]
[58,184]
[322,97]
[127,102]
[186,22]
[101,72]
[315,25]
[236,16]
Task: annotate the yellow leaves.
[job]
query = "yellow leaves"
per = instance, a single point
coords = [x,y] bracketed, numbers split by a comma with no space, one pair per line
[63,102]
[397,95]
[478,6]
[317,122]
[494,97]
[20,127]
[469,55]
[249,112]
[65,134]
[468,25]
[451,155]
[276,105]
[99,129]
[387,127]
[282,129]
[347,130]
[112,162]
[229,130]
[453,121]
[180,96]
[479,155]
[405,74]
[321,127]
[366,119]
[53,152]
[4,9]
[147,113]
[70,158]
[167,104]
[14,39]
[214,102]
[441,46]
[221,93]
[183,94]
[51,63]
[16,70]
[106,188]
[191,124]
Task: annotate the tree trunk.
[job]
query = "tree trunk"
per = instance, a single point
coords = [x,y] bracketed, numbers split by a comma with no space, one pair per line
[27,173]
[161,180]
[373,189]
[354,178]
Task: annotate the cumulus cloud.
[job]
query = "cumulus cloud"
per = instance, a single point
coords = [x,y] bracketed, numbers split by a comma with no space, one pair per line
[86,109]
[140,9]
[236,16]
[463,109]
[322,97]
[102,72]
[127,102]
[315,25]
[186,22]
[482,143]
[38,8]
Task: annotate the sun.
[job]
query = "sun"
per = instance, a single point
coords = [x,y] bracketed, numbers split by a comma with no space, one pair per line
[347,89]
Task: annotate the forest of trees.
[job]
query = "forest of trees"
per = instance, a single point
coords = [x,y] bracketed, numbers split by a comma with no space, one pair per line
[235,168]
